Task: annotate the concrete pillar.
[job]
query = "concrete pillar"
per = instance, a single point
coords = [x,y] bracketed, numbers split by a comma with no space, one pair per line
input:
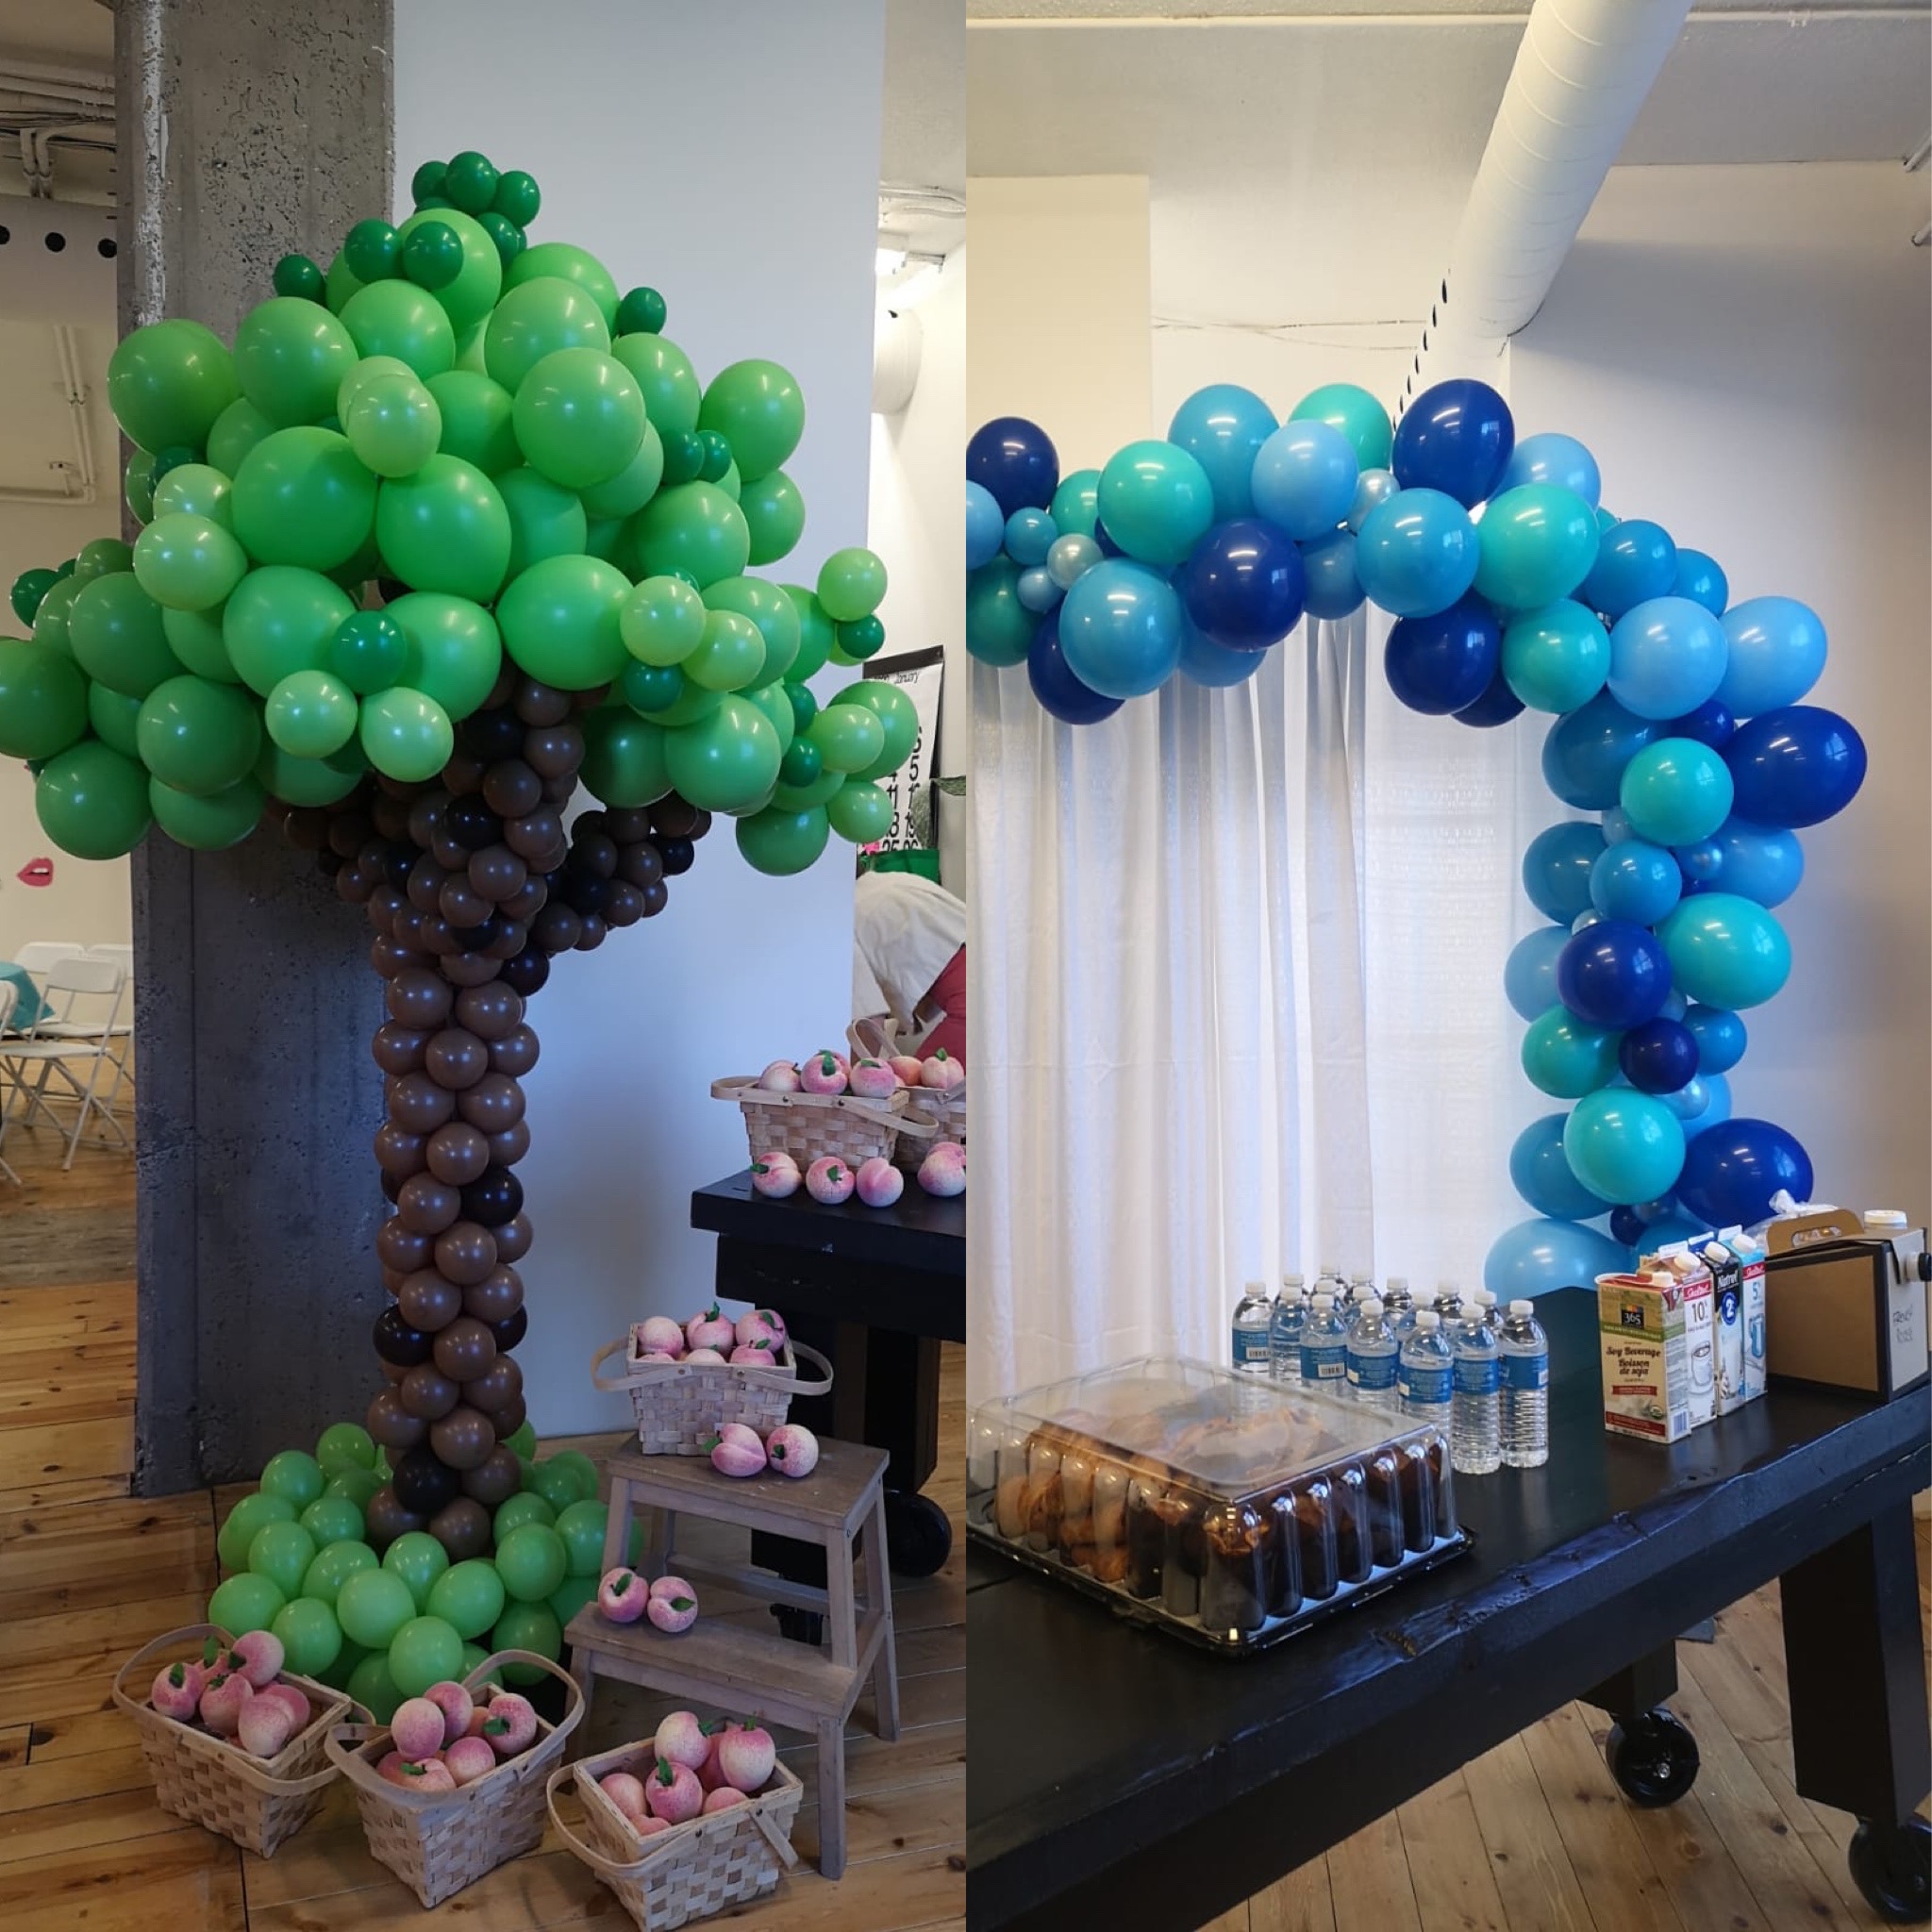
[249,129]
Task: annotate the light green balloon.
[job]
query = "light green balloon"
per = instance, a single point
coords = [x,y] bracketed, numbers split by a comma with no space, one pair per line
[372,1606]
[294,1474]
[112,716]
[445,528]
[1349,407]
[196,639]
[535,319]
[568,263]
[780,843]
[246,1603]
[392,424]
[672,396]
[454,653]
[730,656]
[772,700]
[334,1564]
[44,700]
[758,410]
[662,621]
[344,1446]
[137,485]
[332,1520]
[571,1595]
[188,563]
[774,614]
[311,1639]
[642,688]
[624,758]
[310,714]
[237,430]
[419,1560]
[694,528]
[239,1526]
[114,630]
[340,284]
[626,494]
[1568,1058]
[370,1683]
[725,761]
[281,619]
[579,417]
[852,584]
[532,1561]
[198,736]
[468,299]
[53,621]
[282,1552]
[195,490]
[209,821]
[406,735]
[476,420]
[302,497]
[561,620]
[514,1511]
[859,811]
[424,1651]
[773,508]
[469,1596]
[582,1526]
[847,737]
[545,519]
[291,357]
[396,318]
[531,1627]
[897,718]
[169,382]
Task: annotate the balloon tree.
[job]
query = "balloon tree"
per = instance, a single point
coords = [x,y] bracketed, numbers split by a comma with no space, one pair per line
[449,528]
[1679,723]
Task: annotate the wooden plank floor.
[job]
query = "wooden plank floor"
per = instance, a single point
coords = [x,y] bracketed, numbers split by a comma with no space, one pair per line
[88,1573]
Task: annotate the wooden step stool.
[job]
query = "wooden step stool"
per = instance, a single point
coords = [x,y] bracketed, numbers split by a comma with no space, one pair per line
[804,1687]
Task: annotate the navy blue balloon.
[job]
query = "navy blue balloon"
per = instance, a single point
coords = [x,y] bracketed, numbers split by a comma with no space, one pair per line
[1016,462]
[1497,705]
[1710,723]
[1627,1225]
[1731,1171]
[1053,683]
[1444,663]
[1614,974]
[1456,438]
[1794,767]
[1635,562]
[1108,546]
[1587,749]
[1556,869]
[1242,584]
[1659,1057]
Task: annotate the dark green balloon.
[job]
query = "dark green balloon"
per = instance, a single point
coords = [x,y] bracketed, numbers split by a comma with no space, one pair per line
[511,240]
[471,181]
[116,636]
[429,180]
[296,275]
[168,382]
[198,736]
[471,295]
[624,758]
[372,251]
[781,843]
[517,197]
[368,651]
[29,587]
[432,258]
[641,313]
[43,700]
[93,802]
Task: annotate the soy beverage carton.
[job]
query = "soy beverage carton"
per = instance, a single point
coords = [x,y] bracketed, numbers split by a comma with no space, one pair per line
[1642,1329]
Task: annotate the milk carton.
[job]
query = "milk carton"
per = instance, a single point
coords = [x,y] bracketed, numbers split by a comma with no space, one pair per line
[1728,1301]
[1750,1252]
[1700,1326]
[1646,1365]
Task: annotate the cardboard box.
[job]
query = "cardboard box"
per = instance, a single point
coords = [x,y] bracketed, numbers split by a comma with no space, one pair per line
[1846,1310]
[1640,1328]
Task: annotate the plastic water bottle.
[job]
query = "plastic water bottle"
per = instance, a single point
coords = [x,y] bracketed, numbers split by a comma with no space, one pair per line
[1371,1352]
[1398,1307]
[1447,1300]
[1361,1287]
[1492,1316]
[1324,1348]
[1425,1371]
[1252,1316]
[1329,1280]
[1474,1439]
[1285,1331]
[1524,1351]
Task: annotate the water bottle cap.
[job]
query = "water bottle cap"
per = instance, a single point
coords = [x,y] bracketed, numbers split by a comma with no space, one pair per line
[1325,1301]
[1291,1281]
[1398,1282]
[1522,1310]
[1253,1287]
[1428,1320]
[1373,1305]
[1484,1299]
[1447,1287]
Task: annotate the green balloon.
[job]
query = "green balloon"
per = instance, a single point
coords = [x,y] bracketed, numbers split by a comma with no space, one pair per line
[419,1560]
[239,1525]
[93,802]
[560,620]
[452,652]
[168,382]
[545,519]
[662,621]
[570,1596]
[1555,657]
[582,1526]
[309,781]
[664,694]
[294,1474]
[44,700]
[237,430]
[570,264]
[424,1651]
[281,619]
[101,556]
[398,319]
[478,422]
[1568,1058]
[332,1520]
[295,275]
[471,295]
[641,310]
[731,655]
[999,628]
[602,534]
[445,528]
[773,508]
[195,490]
[433,256]
[772,701]
[535,320]
[517,198]
[209,822]
[392,424]
[774,614]
[692,528]
[471,181]
[372,251]
[626,494]
[727,760]
[291,357]
[859,811]
[372,1606]
[561,1483]
[29,587]
[282,1552]
[114,630]
[246,1603]
[370,1684]
[897,718]
[624,758]
[195,637]
[54,616]
[1350,408]
[112,716]
[780,843]
[515,1511]
[359,1485]
[582,1471]
[848,738]
[522,1440]
[532,1561]
[310,714]
[368,651]
[344,1446]
[201,737]
[531,1627]
[311,1637]
[806,794]
[757,406]
[334,1564]
[468,1596]
[579,417]
[137,485]
[664,372]
[406,735]
[303,497]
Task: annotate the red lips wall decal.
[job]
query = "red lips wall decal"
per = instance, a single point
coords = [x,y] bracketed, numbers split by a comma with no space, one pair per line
[35,872]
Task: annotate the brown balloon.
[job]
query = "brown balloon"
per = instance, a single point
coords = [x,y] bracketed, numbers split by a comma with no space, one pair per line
[402,1247]
[463,774]
[627,823]
[461,903]
[470,969]
[554,752]
[393,1281]
[429,1302]
[462,1437]
[393,1372]
[593,933]
[513,1239]
[675,817]
[351,887]
[536,831]
[391,1424]
[392,957]
[592,851]
[657,897]
[462,1528]
[428,1392]
[424,888]
[397,1152]
[466,1253]
[556,929]
[527,901]
[417,999]
[497,1388]
[508,1420]
[427,1206]
[494,1102]
[390,814]
[622,905]
[439,936]
[510,789]
[418,1104]
[497,1478]
[642,866]
[489,1012]
[496,873]
[515,1054]
[455,1059]
[346,832]
[464,1349]
[511,937]
[385,1519]
[508,1147]
[425,815]
[498,1294]
[536,704]
[457,1153]
[448,851]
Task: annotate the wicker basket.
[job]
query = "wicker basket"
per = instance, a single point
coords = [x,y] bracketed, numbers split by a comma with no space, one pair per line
[810,1126]
[692,1870]
[255,1803]
[439,1841]
[945,1112]
[681,1407]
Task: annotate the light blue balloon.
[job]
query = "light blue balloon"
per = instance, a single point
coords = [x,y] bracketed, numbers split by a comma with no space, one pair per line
[1700,863]
[1037,590]
[1305,479]
[1222,428]
[1777,649]
[1617,825]
[1585,754]
[1666,656]
[1552,457]
[986,529]
[1540,1170]
[1726,950]
[1075,505]
[1635,880]
[1676,791]
[1535,1257]
[1688,1100]
[1673,1007]
[1762,862]
[1372,487]
[1584,920]
[1529,975]
[1029,536]
[1721,1038]
[1717,1106]
[1121,628]
[1624,1145]
[1214,665]
[1332,589]
[1071,557]
[1417,552]
[1557,868]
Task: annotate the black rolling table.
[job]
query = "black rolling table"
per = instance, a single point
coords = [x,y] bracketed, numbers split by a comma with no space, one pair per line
[876,1291]
[1122,1779]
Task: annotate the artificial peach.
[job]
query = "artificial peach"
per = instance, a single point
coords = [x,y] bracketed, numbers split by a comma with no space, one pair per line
[710,1329]
[456,1705]
[222,1699]
[775,1177]
[622,1596]
[752,1355]
[469,1758]
[910,1067]
[672,1614]
[735,1451]
[793,1450]
[874,1080]
[761,1325]
[296,1703]
[781,1077]
[391,1766]
[705,1355]
[432,1775]
[625,1793]
[943,1171]
[658,1333]
[746,1757]
[518,1718]
[722,1797]
[647,1826]
[670,1585]
[177,1690]
[942,1071]
[674,1792]
[261,1656]
[416,1729]
[830,1181]
[878,1183]
[708,1774]
[824,1072]
[681,1740]
[264,1726]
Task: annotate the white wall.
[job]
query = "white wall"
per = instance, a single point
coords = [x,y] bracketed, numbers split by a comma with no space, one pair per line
[729,157]
[87,900]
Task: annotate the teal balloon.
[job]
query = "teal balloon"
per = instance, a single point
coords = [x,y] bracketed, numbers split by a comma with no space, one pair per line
[1122,629]
[1075,507]
[1537,544]
[1624,1145]
[1157,502]
[1567,1056]
[1221,427]
[1350,408]
[1416,553]
[1556,657]
[1535,1257]
[1676,791]
[1725,952]
[999,628]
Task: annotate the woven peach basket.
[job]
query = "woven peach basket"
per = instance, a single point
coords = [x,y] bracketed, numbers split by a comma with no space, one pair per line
[810,1126]
[437,1843]
[943,1116]
[256,1803]
[681,1407]
[692,1870]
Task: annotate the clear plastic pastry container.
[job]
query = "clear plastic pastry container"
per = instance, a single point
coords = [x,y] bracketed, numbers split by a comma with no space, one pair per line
[1229,1511]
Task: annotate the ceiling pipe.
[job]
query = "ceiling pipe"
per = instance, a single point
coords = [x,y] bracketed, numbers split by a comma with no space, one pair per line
[1583,70]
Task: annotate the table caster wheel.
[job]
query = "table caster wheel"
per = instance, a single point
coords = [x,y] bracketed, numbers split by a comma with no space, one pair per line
[1653,1757]
[919,1539]
[799,1626]
[1891,1864]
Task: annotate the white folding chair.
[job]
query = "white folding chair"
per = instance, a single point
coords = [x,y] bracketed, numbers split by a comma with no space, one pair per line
[83,1007]
[9,994]
[37,956]
[121,1032]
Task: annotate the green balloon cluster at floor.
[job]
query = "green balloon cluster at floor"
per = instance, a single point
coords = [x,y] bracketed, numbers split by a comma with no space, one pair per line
[447,450]
[386,1623]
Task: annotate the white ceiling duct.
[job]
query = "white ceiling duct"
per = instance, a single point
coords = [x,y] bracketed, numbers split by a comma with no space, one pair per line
[57,262]
[1582,73]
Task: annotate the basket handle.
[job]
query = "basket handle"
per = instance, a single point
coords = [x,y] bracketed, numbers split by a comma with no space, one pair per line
[793,1384]
[799,1386]
[661,1845]
[169,1639]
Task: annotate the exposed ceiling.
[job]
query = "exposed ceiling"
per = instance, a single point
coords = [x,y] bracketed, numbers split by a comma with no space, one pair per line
[923,131]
